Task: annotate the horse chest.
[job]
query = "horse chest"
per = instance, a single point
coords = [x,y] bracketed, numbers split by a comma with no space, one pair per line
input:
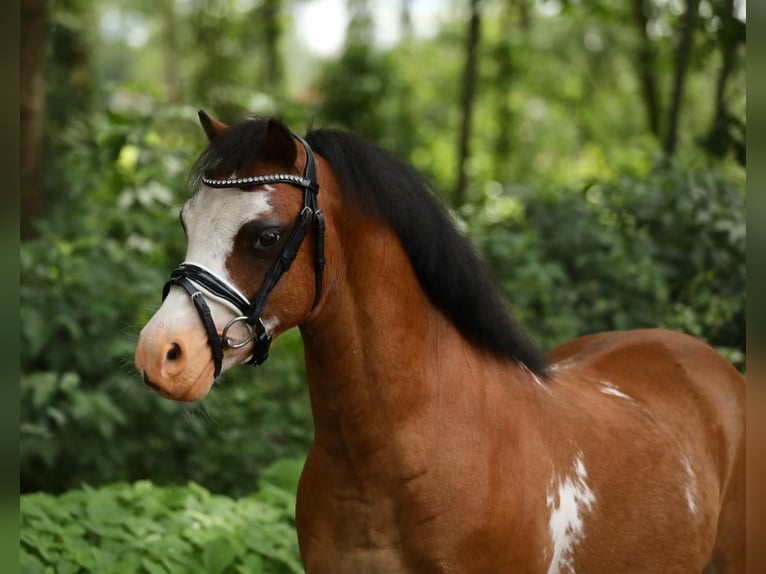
[443,534]
[352,561]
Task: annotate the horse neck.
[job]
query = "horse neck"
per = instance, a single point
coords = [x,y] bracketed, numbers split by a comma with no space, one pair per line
[381,360]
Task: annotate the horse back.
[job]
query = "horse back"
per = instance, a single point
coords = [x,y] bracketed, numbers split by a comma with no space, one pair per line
[677,378]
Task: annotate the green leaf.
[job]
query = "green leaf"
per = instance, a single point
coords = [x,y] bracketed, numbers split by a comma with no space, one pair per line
[217,555]
[153,567]
[29,564]
[251,564]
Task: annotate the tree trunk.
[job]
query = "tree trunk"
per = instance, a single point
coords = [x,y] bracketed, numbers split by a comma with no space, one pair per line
[405,19]
[34,22]
[361,28]
[503,87]
[405,136]
[720,139]
[273,70]
[683,56]
[525,14]
[647,71]
[717,139]
[469,91]
[171,55]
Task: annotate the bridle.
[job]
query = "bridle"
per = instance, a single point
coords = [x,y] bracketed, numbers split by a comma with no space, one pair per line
[196,280]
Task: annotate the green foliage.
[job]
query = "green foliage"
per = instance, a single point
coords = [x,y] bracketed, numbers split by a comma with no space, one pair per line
[88,284]
[143,528]
[76,431]
[366,75]
[666,249]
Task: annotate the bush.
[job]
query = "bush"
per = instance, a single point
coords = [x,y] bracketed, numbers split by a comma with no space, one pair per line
[666,249]
[74,431]
[88,284]
[143,528]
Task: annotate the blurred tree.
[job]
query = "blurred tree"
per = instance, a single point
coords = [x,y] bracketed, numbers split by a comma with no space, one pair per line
[71,95]
[72,86]
[467,101]
[647,65]
[355,87]
[683,56]
[34,23]
[405,19]
[270,18]
[361,28]
[171,53]
[505,72]
[219,49]
[702,29]
[405,121]
[726,131]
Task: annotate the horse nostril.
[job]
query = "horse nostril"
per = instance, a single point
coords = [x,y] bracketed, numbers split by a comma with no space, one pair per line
[150,384]
[174,353]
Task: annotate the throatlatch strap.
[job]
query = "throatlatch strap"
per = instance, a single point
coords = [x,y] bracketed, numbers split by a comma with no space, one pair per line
[319,261]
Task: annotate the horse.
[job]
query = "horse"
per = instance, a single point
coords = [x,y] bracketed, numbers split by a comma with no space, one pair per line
[444,439]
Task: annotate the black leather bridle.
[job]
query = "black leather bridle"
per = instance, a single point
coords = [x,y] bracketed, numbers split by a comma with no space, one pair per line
[196,280]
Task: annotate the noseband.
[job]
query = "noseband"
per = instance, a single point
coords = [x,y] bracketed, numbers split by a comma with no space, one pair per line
[196,280]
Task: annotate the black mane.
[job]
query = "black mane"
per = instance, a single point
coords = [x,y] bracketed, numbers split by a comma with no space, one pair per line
[447,266]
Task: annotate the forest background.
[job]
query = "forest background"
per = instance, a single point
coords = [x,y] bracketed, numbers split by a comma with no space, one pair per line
[594,152]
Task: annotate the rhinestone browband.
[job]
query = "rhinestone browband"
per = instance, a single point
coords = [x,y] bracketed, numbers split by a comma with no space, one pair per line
[257,180]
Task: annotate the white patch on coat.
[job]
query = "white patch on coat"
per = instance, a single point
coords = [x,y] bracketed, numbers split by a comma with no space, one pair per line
[611,389]
[690,488]
[536,379]
[271,324]
[560,366]
[568,505]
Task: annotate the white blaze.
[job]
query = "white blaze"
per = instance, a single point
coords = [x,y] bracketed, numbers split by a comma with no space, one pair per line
[213,217]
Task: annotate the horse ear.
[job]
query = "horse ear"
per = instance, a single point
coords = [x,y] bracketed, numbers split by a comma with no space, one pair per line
[280,144]
[213,128]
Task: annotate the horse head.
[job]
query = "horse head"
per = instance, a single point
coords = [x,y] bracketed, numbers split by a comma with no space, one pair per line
[253,216]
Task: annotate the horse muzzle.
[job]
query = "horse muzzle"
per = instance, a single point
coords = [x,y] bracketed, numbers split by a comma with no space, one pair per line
[176,363]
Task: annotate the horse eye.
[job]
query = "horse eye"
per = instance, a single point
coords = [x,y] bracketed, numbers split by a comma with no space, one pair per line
[267,238]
